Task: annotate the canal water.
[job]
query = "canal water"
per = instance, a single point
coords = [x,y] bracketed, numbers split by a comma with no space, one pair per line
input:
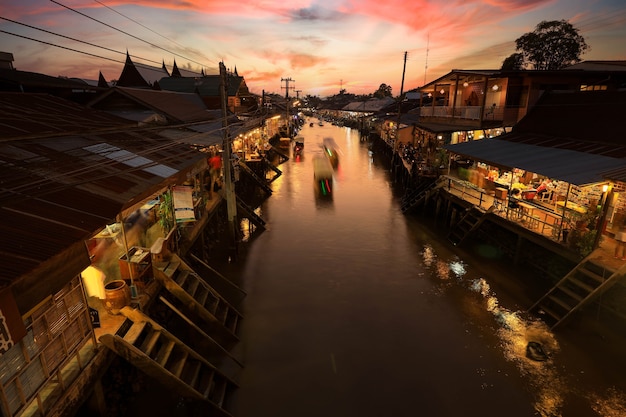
[354,309]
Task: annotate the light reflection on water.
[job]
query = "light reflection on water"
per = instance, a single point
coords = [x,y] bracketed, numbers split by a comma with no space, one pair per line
[358,247]
[514,332]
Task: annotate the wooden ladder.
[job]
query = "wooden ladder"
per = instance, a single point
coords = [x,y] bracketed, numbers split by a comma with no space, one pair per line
[470,221]
[283,156]
[200,300]
[418,195]
[250,214]
[582,284]
[261,182]
[273,168]
[159,354]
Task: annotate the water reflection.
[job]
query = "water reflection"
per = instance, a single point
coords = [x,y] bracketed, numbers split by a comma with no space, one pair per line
[514,332]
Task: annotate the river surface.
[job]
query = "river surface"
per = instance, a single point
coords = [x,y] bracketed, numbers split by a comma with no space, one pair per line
[354,309]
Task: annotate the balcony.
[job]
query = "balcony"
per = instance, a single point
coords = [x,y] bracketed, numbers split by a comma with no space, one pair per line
[463,113]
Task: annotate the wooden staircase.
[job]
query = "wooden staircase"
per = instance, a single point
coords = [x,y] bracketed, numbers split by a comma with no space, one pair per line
[250,214]
[261,182]
[283,156]
[581,285]
[418,195]
[160,355]
[469,221]
[199,300]
[273,168]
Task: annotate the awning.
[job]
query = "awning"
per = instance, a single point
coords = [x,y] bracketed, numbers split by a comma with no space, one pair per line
[578,168]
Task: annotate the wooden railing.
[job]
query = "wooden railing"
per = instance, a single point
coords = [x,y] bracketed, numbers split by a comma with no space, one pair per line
[463,112]
[535,217]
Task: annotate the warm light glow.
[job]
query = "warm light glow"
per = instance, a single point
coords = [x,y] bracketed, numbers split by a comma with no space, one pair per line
[442,91]
[495,87]
[465,84]
[93,280]
[605,188]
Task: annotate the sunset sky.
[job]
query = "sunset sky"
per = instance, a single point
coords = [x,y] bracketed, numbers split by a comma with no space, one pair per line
[323,45]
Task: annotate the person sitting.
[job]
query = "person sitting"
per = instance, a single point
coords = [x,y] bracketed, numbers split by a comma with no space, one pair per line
[543,187]
[513,199]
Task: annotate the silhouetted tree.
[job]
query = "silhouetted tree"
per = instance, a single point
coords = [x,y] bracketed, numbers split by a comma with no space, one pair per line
[552,45]
[383,91]
[513,62]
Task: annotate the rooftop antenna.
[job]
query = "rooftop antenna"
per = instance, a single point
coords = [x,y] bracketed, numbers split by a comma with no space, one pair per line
[426,63]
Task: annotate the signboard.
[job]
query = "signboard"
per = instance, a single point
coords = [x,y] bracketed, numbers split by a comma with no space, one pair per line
[183,204]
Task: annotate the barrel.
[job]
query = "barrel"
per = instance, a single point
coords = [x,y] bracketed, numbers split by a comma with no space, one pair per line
[116,296]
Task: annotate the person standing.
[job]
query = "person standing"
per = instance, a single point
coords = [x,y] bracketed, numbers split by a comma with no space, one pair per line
[215,168]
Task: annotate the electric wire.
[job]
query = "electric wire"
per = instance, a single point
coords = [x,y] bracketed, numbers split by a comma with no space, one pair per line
[126,33]
[76,40]
[61,46]
[140,24]
[41,187]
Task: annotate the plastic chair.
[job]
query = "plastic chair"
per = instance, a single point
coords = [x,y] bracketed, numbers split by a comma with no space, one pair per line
[546,197]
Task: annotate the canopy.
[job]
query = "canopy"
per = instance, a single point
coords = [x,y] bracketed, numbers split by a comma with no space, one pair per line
[578,168]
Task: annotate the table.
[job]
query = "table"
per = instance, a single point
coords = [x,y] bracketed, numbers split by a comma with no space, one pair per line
[500,193]
[140,266]
[528,211]
[572,207]
[553,221]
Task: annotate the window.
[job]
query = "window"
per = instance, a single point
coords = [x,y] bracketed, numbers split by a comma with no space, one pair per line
[58,345]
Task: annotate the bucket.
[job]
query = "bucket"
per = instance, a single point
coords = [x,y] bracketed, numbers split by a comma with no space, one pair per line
[116,296]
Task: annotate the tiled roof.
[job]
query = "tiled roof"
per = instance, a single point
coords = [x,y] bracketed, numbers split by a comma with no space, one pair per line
[177,107]
[590,122]
[207,86]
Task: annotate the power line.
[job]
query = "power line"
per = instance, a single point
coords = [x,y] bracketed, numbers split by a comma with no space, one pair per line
[76,40]
[60,46]
[140,24]
[126,33]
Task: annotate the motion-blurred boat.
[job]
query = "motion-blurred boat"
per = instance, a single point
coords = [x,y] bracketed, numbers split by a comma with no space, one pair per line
[330,150]
[298,146]
[323,176]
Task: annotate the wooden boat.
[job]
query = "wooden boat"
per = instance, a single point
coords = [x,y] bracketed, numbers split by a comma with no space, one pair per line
[298,146]
[330,151]
[323,176]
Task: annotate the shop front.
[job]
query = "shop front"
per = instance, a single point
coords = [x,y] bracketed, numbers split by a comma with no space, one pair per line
[562,192]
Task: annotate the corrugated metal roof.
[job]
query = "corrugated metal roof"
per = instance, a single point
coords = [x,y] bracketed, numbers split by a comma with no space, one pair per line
[571,136]
[577,168]
[61,187]
[372,105]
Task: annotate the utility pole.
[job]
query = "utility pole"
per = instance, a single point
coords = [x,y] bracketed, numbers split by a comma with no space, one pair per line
[286,87]
[298,94]
[287,81]
[229,189]
[395,143]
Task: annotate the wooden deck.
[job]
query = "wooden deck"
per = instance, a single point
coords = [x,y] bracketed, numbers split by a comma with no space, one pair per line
[543,218]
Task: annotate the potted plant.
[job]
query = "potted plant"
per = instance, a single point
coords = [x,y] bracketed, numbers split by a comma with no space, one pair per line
[582,241]
[166,212]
